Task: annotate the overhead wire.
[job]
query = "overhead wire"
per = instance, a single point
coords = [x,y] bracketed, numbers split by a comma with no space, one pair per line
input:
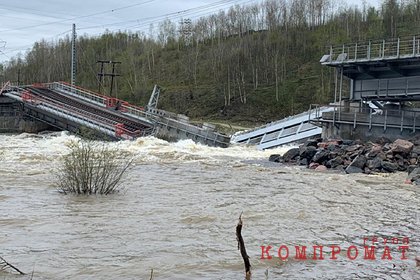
[147,24]
[16,8]
[91,67]
[148,20]
[194,12]
[78,17]
[24,47]
[41,16]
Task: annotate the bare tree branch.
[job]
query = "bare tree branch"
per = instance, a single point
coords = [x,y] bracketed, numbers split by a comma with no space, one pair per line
[4,264]
[241,247]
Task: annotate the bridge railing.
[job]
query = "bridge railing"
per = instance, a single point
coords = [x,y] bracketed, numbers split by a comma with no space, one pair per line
[106,101]
[373,50]
[120,130]
[81,92]
[124,133]
[403,119]
[77,115]
[134,110]
[71,110]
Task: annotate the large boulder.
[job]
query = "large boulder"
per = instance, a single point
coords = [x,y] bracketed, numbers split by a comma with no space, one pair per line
[389,166]
[321,168]
[291,154]
[353,169]
[359,161]
[402,146]
[411,168]
[312,143]
[374,150]
[333,143]
[275,158]
[307,152]
[321,156]
[416,150]
[303,161]
[348,142]
[414,175]
[353,148]
[313,165]
[374,164]
[335,162]
[382,156]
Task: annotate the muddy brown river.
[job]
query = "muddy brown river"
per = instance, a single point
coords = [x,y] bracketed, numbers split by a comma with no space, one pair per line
[179,208]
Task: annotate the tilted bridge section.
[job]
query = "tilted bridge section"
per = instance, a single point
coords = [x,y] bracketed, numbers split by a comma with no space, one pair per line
[289,130]
[71,108]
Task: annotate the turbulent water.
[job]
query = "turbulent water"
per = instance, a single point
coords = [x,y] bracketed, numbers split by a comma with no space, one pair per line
[178,212]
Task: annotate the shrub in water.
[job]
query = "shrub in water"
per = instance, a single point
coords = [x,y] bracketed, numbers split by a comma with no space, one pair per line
[91,168]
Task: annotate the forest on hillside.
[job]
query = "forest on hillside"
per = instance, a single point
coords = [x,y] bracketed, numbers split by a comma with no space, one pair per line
[253,63]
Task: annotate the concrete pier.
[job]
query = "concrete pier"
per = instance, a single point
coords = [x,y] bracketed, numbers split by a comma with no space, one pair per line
[368,127]
[12,119]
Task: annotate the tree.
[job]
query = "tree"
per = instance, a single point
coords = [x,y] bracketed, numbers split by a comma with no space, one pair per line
[243,61]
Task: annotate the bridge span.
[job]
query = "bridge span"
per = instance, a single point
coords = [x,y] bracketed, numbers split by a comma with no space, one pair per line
[71,108]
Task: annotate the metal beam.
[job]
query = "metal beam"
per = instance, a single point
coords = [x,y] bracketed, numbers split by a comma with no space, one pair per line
[73,56]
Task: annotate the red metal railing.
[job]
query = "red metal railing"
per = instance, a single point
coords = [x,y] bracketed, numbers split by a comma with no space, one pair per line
[27,96]
[108,102]
[39,85]
[122,132]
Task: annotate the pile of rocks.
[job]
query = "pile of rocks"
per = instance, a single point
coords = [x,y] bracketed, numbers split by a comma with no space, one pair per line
[355,156]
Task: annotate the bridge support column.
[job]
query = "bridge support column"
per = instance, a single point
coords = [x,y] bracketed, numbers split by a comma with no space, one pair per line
[12,120]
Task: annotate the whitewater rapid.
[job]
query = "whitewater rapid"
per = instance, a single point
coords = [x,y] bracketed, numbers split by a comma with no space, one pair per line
[178,212]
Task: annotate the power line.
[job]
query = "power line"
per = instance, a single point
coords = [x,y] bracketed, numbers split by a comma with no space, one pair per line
[153,19]
[24,47]
[194,15]
[43,16]
[191,13]
[46,39]
[79,17]
[16,9]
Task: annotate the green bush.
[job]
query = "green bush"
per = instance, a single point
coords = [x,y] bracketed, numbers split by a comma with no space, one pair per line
[91,168]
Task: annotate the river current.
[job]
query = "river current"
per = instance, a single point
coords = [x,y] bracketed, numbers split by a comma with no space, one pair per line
[179,208]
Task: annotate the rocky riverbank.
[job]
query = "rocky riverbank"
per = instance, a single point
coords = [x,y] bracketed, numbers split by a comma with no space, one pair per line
[357,157]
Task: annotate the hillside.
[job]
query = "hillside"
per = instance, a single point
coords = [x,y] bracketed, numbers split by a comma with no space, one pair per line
[250,64]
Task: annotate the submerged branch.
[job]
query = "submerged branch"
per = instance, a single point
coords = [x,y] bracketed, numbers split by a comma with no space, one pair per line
[241,247]
[4,264]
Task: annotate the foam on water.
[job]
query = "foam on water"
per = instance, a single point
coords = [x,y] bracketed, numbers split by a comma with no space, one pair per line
[49,147]
[152,148]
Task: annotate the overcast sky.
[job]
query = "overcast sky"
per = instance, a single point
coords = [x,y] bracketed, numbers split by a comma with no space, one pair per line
[23,22]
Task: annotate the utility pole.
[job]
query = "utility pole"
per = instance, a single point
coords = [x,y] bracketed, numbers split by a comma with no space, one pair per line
[113,75]
[186,30]
[73,56]
[102,74]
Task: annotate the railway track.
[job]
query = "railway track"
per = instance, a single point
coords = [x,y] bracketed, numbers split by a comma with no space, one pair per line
[68,108]
[113,118]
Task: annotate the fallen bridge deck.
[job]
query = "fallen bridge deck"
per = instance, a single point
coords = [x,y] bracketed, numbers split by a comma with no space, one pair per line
[71,108]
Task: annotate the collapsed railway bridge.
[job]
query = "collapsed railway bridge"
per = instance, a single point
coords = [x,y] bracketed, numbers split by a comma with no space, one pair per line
[72,108]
